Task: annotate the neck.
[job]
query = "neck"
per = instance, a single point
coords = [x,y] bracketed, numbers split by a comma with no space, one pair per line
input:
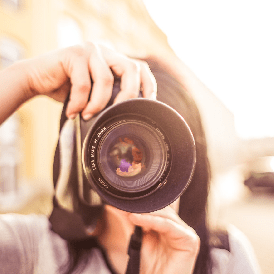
[114,236]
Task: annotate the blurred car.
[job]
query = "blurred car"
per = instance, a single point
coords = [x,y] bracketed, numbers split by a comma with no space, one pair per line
[260,182]
[259,175]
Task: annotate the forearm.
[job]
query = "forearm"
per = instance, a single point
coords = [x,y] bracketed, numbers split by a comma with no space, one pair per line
[14,89]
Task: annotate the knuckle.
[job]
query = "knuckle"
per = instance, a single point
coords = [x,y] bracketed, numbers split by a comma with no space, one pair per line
[84,87]
[77,51]
[134,66]
[107,79]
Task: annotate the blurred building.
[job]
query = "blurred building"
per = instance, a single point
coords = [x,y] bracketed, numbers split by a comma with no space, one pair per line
[32,27]
[26,31]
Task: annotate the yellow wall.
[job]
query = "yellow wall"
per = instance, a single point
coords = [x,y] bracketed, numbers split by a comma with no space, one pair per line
[122,24]
[31,27]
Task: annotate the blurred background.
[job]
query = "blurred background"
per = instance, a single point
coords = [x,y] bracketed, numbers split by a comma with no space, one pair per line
[227,44]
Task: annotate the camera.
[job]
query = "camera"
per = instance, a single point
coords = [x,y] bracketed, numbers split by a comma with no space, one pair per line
[138,155]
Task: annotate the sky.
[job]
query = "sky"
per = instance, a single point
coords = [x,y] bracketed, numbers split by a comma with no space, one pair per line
[229,45]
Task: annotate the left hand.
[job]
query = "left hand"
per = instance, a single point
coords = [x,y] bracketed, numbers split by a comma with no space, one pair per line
[169,245]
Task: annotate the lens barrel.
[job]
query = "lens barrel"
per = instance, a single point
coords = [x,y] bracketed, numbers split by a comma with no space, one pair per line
[139,155]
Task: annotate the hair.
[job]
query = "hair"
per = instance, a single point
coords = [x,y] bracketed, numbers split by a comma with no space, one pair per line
[193,203]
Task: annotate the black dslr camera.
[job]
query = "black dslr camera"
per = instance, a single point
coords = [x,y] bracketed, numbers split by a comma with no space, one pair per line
[138,156]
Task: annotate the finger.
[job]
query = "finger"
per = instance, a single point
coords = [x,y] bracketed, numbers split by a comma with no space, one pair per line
[103,80]
[130,82]
[76,67]
[166,213]
[129,71]
[157,223]
[148,82]
[169,213]
[134,75]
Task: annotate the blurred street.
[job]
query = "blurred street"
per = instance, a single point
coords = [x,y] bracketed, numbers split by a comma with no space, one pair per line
[253,214]
[255,217]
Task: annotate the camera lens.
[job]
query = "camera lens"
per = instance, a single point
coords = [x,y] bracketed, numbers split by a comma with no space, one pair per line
[138,155]
[131,156]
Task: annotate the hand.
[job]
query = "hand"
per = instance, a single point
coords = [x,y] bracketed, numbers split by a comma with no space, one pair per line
[169,245]
[70,69]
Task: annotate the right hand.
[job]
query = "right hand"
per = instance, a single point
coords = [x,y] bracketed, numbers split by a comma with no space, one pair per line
[70,69]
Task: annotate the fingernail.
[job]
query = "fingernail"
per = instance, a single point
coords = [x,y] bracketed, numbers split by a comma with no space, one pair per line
[87,116]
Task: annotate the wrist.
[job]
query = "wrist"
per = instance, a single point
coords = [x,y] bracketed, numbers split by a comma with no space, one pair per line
[24,80]
[18,81]
[14,89]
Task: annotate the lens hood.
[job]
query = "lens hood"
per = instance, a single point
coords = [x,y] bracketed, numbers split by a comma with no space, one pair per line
[138,156]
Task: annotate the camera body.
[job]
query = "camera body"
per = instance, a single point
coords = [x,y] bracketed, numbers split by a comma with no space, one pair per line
[138,155]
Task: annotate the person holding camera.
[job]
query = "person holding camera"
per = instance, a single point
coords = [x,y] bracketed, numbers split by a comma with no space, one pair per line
[176,239]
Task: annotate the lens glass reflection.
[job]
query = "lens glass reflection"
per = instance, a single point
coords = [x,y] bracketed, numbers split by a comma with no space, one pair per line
[131,157]
[127,157]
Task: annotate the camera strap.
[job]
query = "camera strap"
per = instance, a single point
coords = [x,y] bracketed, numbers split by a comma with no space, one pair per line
[70,218]
[134,251]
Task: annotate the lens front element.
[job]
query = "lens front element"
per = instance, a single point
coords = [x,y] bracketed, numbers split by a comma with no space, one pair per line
[127,157]
[130,157]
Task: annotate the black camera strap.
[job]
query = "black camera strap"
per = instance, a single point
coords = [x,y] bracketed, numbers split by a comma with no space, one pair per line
[70,218]
[134,251]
